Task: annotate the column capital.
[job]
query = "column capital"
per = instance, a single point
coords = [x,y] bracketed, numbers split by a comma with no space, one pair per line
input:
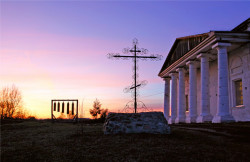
[202,55]
[180,69]
[173,74]
[221,44]
[166,78]
[191,62]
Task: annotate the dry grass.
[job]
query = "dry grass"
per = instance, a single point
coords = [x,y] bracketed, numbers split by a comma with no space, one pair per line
[44,141]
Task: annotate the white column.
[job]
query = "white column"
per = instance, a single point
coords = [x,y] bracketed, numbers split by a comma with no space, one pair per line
[223,114]
[166,97]
[181,97]
[205,115]
[192,103]
[173,105]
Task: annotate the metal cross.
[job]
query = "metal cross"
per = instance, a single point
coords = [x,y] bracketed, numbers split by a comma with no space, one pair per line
[135,51]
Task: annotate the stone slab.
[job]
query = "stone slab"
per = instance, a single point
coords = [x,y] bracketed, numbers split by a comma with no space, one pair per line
[145,122]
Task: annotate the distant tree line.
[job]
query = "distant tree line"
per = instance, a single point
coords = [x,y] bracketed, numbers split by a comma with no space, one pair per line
[11,104]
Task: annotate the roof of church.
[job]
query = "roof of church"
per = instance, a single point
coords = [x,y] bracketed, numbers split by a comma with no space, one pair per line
[183,45]
[242,27]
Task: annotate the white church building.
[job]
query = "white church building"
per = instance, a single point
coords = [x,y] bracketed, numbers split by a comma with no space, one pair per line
[207,77]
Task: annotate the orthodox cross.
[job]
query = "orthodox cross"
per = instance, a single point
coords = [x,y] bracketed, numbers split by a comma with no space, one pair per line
[137,53]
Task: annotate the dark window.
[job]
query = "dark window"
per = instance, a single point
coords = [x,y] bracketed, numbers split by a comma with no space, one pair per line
[186,102]
[238,92]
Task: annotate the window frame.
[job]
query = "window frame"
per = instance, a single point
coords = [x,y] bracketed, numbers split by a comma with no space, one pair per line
[187,103]
[234,94]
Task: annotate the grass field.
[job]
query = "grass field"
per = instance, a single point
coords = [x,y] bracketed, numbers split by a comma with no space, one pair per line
[44,141]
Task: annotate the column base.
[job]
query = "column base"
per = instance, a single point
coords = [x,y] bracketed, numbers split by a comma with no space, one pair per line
[223,119]
[204,119]
[191,119]
[171,120]
[180,119]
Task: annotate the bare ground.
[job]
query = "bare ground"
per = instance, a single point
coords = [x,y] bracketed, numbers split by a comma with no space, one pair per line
[44,141]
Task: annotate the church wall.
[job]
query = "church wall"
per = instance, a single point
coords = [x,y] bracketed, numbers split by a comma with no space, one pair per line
[239,68]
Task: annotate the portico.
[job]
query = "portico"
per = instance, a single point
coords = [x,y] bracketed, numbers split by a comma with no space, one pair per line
[203,60]
[177,106]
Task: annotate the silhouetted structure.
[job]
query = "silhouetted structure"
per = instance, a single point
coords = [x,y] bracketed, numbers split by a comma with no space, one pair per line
[73,107]
[135,51]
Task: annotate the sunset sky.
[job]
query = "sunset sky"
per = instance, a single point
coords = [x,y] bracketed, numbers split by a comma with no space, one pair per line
[58,50]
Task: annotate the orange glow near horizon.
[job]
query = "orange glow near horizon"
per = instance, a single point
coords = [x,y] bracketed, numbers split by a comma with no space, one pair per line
[39,84]
[52,66]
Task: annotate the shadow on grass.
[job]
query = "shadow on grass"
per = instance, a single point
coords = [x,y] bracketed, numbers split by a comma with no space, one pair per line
[44,141]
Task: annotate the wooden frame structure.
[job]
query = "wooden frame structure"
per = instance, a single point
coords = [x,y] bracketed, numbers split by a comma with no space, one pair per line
[53,108]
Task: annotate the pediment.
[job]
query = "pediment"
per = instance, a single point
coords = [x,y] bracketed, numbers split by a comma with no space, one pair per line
[182,46]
